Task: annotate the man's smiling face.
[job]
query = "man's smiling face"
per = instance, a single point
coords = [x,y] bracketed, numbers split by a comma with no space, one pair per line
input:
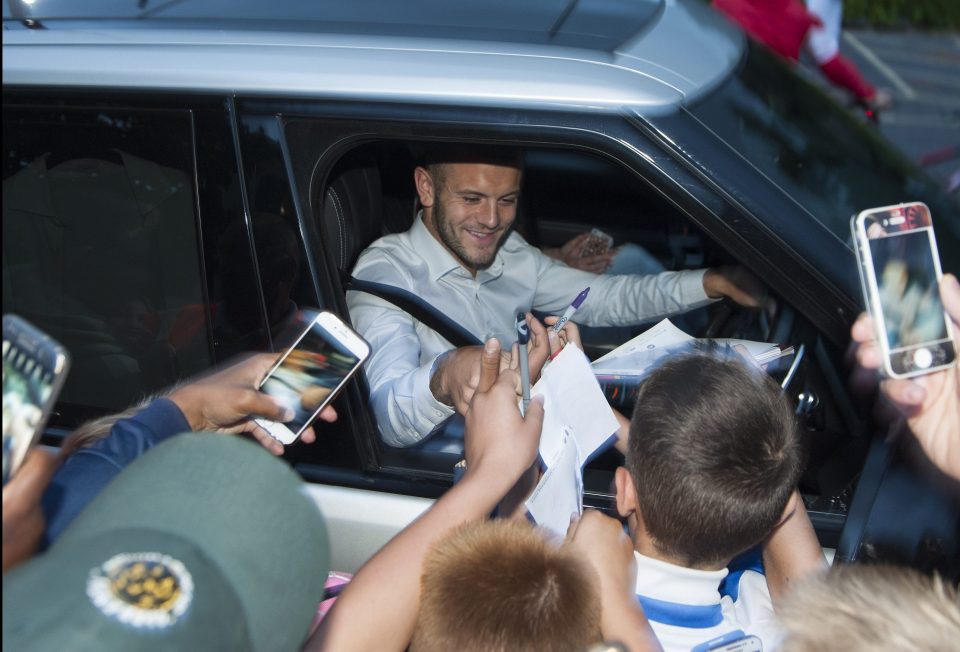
[469,208]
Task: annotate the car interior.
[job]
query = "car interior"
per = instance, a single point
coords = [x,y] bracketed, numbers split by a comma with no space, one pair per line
[565,192]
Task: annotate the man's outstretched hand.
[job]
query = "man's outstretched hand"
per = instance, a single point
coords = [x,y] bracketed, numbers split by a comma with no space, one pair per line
[737,284]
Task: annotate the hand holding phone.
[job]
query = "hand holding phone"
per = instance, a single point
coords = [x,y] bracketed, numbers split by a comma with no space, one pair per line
[34,368]
[596,243]
[900,275]
[309,375]
[929,402]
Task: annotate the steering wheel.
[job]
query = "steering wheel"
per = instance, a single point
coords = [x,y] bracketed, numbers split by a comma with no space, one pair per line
[731,320]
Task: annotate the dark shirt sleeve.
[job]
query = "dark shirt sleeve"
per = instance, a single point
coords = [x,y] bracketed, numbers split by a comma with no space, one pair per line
[89,470]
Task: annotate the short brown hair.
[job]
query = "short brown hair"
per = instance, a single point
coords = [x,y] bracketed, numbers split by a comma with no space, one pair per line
[714,456]
[875,608]
[500,585]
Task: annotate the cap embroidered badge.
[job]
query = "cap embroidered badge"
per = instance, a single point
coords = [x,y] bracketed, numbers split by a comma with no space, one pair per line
[146,589]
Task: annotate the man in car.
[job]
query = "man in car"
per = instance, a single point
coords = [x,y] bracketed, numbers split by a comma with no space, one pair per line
[462,257]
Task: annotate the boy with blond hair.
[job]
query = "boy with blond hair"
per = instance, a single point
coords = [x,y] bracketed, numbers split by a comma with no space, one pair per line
[501,585]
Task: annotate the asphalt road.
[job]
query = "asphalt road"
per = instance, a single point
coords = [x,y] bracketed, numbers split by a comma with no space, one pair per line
[923,73]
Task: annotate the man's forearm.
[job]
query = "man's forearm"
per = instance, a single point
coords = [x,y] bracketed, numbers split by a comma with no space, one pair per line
[629,299]
[405,408]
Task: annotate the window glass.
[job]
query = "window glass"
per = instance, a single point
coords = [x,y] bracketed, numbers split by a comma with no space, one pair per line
[814,149]
[100,246]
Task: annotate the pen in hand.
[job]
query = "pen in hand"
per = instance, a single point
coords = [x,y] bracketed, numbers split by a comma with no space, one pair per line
[568,313]
[523,336]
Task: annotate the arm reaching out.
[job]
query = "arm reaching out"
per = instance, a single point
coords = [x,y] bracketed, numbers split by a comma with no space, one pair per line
[792,551]
[499,446]
[23,521]
[602,541]
[228,400]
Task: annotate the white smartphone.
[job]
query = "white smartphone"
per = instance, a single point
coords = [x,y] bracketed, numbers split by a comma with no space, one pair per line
[312,372]
[900,276]
[34,368]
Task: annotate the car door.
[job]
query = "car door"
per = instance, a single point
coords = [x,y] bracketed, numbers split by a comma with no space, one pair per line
[314,143]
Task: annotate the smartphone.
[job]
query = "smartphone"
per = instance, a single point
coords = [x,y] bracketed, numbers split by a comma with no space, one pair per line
[900,276]
[596,243]
[310,374]
[34,368]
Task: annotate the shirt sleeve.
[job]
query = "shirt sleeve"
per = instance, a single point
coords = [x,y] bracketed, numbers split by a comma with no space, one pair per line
[618,300]
[405,408]
[88,470]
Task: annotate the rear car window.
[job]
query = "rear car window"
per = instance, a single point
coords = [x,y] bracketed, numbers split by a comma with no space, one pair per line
[100,247]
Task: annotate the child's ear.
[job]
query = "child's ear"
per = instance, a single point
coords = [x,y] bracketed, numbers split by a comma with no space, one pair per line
[626,493]
[790,507]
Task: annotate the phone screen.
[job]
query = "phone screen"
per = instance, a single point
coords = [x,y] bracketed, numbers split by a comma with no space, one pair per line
[306,377]
[907,286]
[28,385]
[900,274]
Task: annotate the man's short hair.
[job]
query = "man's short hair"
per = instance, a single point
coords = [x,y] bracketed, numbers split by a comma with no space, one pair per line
[714,456]
[871,608]
[501,585]
[438,154]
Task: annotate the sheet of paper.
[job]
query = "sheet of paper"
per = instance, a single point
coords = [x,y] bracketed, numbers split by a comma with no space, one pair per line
[662,334]
[574,402]
[559,494]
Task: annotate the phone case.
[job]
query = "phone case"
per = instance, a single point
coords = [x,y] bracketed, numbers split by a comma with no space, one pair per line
[925,356]
[34,369]
[597,243]
[311,396]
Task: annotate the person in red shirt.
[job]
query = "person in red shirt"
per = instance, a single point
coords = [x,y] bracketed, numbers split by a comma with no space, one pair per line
[788,26]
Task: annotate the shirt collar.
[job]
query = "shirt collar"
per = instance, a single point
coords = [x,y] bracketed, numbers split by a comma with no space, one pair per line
[661,580]
[441,262]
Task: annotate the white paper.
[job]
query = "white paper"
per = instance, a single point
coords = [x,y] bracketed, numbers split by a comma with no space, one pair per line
[559,494]
[574,403]
[639,356]
[660,335]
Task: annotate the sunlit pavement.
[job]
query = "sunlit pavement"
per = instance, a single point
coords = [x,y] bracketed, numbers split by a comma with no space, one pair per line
[923,73]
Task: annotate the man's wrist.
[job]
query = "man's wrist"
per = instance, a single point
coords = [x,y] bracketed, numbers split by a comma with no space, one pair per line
[713,282]
[437,387]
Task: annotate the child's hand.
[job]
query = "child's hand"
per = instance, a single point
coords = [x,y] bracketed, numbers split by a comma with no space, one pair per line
[23,522]
[497,439]
[602,541]
[227,401]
